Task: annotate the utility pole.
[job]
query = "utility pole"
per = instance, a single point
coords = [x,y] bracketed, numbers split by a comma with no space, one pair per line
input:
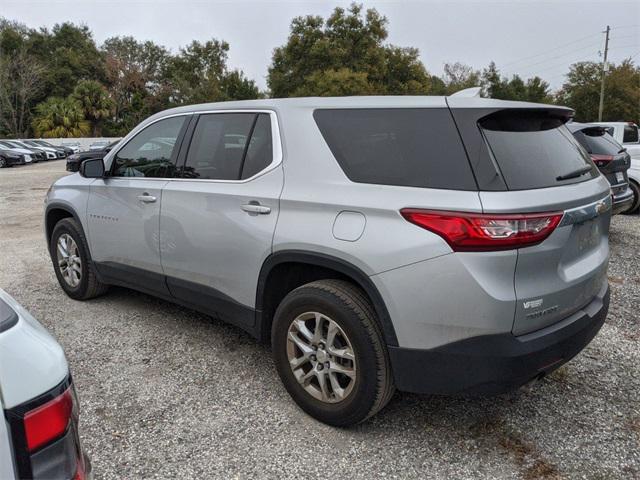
[604,72]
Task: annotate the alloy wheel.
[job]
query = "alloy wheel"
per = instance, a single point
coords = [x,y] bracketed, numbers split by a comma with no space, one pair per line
[321,357]
[69,260]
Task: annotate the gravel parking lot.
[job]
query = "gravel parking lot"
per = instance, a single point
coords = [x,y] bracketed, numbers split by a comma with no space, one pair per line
[166,392]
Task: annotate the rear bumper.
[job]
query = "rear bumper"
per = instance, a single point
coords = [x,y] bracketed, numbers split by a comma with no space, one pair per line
[494,364]
[622,201]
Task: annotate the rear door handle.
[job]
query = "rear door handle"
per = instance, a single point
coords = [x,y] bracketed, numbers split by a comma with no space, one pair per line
[146,198]
[256,208]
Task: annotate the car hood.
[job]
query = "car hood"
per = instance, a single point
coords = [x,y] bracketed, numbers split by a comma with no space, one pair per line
[31,361]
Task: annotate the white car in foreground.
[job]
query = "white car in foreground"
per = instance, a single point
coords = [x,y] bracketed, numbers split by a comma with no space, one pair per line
[39,435]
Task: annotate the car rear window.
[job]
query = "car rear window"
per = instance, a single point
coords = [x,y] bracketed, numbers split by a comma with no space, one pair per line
[597,141]
[417,147]
[533,149]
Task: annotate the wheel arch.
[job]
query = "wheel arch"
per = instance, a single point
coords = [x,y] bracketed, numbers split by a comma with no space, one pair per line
[53,214]
[305,267]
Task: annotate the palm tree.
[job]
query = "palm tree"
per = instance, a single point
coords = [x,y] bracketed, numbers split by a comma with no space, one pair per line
[95,101]
[60,118]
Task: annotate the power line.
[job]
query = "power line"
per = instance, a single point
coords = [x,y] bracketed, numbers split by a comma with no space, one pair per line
[627,46]
[552,50]
[637,25]
[581,49]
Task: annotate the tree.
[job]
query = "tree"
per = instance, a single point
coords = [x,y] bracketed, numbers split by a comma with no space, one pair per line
[60,118]
[497,86]
[334,83]
[199,74]
[20,86]
[348,46]
[69,54]
[135,73]
[458,76]
[95,102]
[581,91]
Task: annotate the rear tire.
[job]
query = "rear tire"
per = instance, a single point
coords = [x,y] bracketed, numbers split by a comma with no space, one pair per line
[354,390]
[3,163]
[72,262]
[636,198]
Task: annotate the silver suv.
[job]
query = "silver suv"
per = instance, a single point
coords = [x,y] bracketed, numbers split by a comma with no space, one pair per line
[429,244]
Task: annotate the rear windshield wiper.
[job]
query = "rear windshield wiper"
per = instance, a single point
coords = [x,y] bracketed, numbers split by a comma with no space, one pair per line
[575,173]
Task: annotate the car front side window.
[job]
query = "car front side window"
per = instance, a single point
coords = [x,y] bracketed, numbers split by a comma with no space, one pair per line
[151,153]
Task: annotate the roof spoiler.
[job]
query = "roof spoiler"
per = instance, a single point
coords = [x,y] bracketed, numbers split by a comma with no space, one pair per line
[468,92]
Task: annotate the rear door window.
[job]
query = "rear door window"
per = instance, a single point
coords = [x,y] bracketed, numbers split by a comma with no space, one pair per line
[630,134]
[535,150]
[260,149]
[417,147]
[218,145]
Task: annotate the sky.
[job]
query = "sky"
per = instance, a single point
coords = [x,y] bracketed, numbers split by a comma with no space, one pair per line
[527,37]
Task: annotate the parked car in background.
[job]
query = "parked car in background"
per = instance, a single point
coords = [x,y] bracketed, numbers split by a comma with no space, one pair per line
[38,154]
[29,156]
[634,184]
[625,133]
[99,145]
[57,152]
[610,157]
[9,158]
[42,143]
[74,146]
[39,429]
[74,161]
[427,244]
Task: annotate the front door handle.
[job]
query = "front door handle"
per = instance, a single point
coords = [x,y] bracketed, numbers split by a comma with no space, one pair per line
[256,208]
[146,198]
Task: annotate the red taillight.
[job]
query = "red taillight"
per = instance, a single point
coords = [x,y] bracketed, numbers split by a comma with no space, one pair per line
[48,421]
[469,232]
[601,160]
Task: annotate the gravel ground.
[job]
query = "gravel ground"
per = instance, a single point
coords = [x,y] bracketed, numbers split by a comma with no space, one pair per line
[167,392]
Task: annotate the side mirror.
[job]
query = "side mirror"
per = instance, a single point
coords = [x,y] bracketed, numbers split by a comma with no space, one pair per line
[92,168]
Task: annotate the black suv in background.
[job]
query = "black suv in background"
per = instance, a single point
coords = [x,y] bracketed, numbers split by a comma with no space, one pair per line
[74,161]
[610,157]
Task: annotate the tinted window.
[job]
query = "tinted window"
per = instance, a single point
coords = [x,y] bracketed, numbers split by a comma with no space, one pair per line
[630,134]
[150,153]
[597,141]
[218,146]
[533,150]
[260,150]
[407,147]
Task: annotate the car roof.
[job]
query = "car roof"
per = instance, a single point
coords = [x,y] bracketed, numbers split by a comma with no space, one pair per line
[390,101]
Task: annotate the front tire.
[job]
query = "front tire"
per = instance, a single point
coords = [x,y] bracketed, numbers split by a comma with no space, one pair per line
[636,198]
[72,261]
[329,353]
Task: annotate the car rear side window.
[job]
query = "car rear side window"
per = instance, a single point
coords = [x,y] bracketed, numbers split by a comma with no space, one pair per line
[413,147]
[260,150]
[630,134]
[151,152]
[597,141]
[218,146]
[535,150]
